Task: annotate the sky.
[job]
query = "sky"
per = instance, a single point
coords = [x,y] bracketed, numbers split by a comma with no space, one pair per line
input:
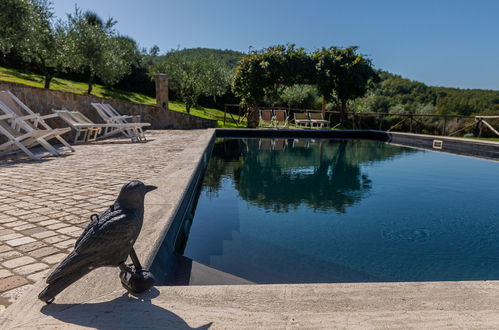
[438,42]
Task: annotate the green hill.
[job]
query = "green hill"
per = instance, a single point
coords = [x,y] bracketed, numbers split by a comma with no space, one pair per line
[396,94]
[392,93]
[65,85]
[229,57]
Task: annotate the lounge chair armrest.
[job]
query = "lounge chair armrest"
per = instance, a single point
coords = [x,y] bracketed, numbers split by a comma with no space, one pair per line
[28,117]
[52,115]
[6,116]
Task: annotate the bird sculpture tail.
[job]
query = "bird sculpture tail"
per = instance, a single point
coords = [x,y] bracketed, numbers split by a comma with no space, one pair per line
[69,271]
[53,289]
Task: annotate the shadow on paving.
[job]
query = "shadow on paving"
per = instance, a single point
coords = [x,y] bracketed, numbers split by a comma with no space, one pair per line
[21,159]
[123,312]
[116,141]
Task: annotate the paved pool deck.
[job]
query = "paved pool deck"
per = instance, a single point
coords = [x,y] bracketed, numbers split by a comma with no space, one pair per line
[45,204]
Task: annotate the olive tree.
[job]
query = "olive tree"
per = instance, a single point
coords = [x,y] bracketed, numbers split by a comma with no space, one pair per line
[28,26]
[262,74]
[100,52]
[15,22]
[120,53]
[340,74]
[190,77]
[355,76]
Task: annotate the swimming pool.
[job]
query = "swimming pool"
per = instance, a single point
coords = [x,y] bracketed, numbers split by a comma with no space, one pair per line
[327,210]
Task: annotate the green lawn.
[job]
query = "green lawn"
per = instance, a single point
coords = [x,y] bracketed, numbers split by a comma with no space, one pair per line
[65,85]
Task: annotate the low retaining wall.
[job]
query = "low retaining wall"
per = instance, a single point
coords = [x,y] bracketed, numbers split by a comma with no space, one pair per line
[461,146]
[42,100]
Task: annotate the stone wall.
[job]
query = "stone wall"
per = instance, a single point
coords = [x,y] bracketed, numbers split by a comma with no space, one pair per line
[42,100]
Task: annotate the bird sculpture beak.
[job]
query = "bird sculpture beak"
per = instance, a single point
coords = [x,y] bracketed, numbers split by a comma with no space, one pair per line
[150,188]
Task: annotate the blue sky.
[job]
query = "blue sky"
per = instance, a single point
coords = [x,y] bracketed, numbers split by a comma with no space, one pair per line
[439,42]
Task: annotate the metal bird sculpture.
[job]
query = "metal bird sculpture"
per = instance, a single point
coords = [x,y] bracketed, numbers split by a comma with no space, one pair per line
[107,242]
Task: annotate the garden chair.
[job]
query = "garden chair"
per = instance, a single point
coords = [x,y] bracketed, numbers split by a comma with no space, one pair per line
[83,126]
[301,119]
[23,119]
[87,129]
[317,119]
[281,118]
[266,118]
[132,130]
[15,140]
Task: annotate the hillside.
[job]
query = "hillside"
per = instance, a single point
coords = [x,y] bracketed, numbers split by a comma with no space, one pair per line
[392,93]
[229,57]
[65,85]
[397,94]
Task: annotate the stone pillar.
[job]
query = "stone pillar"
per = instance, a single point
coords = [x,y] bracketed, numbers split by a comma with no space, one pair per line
[162,90]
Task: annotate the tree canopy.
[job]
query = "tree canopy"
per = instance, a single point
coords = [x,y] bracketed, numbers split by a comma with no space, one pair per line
[29,27]
[261,73]
[193,76]
[101,51]
[340,74]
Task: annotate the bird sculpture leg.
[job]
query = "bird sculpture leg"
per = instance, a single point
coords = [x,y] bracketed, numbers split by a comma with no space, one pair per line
[133,277]
[135,259]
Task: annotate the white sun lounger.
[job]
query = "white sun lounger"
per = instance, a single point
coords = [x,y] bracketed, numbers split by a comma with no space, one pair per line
[131,130]
[25,120]
[15,140]
[86,130]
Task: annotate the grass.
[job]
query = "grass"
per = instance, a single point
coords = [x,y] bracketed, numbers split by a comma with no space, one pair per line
[209,113]
[34,80]
[486,139]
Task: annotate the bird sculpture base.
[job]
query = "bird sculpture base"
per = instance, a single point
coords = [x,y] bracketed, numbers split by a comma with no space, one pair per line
[136,280]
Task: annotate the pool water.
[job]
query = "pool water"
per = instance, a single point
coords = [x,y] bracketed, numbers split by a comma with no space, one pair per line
[310,211]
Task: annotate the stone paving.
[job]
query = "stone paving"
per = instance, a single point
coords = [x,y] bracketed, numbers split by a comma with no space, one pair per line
[44,205]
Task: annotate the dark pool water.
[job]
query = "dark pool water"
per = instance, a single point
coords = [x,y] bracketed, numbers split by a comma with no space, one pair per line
[298,211]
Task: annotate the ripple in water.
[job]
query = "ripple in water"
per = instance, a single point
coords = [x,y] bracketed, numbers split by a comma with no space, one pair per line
[411,235]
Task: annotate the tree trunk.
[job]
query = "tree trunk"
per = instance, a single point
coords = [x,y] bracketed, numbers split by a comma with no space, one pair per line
[343,112]
[188,108]
[48,80]
[324,105]
[253,117]
[90,83]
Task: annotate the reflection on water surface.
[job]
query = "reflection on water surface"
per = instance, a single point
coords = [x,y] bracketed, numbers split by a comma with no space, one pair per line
[304,210]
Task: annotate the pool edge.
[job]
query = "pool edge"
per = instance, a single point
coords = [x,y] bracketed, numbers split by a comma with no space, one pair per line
[26,311]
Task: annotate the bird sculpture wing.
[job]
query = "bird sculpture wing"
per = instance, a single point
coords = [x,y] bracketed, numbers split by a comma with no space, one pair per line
[103,239]
[95,222]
